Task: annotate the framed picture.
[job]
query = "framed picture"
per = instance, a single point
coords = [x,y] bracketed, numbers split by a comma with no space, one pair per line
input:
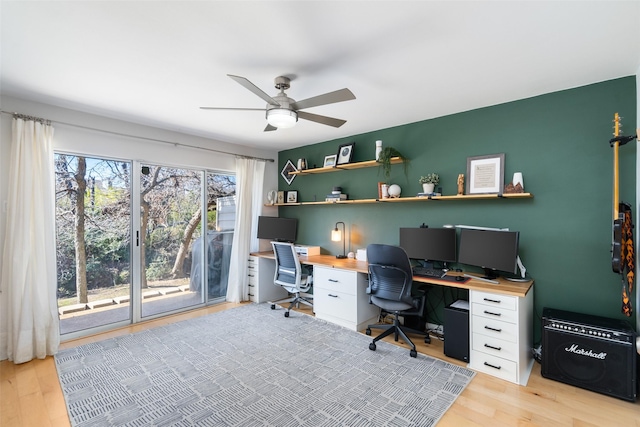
[292,197]
[485,174]
[330,161]
[280,197]
[288,167]
[345,153]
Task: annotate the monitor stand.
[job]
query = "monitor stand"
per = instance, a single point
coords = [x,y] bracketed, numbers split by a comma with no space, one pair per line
[490,274]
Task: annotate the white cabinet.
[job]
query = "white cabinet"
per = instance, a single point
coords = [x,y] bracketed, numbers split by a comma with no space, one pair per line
[501,333]
[339,296]
[261,286]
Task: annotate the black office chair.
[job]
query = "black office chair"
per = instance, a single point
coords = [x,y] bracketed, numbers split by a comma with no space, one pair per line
[390,280]
[289,275]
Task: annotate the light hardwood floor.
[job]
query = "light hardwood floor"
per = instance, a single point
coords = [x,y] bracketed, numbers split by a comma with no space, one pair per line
[30,394]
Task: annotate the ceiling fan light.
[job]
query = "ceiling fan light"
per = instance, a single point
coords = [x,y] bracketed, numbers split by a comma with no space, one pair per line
[282,118]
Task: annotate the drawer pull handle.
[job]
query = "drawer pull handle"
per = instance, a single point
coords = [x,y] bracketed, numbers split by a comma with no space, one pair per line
[251,286]
[493,329]
[250,266]
[493,314]
[492,366]
[251,295]
[252,275]
[492,347]
[492,300]
[332,295]
[333,280]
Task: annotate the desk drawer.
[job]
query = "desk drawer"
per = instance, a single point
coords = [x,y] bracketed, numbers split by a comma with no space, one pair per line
[253,292]
[334,304]
[496,329]
[505,349]
[493,365]
[334,280]
[494,312]
[495,300]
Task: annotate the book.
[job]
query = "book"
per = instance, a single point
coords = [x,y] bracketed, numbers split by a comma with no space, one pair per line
[335,197]
[428,194]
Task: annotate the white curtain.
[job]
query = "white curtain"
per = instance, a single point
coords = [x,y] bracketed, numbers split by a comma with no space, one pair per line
[249,194]
[29,253]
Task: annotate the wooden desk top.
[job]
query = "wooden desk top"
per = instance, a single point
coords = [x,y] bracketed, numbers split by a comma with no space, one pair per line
[506,287]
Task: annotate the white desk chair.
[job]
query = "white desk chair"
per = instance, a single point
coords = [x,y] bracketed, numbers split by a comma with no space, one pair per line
[289,275]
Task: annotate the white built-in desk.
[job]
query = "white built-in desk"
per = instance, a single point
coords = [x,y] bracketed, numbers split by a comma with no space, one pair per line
[500,315]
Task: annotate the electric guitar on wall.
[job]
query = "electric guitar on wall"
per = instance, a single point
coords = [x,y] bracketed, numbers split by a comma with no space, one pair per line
[622,249]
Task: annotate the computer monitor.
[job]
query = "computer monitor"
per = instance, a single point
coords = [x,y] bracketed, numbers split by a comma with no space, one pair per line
[429,244]
[278,229]
[492,250]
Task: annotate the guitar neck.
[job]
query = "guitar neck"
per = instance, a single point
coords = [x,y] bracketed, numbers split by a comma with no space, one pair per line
[616,185]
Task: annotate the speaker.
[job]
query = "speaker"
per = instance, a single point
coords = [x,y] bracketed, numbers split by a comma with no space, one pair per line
[456,332]
[591,352]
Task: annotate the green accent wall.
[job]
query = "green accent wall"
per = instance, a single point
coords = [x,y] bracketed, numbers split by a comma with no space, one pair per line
[559,141]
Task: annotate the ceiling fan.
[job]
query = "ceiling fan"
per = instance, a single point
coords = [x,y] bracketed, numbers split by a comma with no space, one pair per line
[283,112]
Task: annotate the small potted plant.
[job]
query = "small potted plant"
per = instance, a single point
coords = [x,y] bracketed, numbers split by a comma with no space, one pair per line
[429,182]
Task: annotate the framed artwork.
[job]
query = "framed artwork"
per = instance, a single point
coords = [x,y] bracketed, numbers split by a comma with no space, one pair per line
[292,197]
[485,174]
[280,197]
[345,153]
[330,161]
[288,167]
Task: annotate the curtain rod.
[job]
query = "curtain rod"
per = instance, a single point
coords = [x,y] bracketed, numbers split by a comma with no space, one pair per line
[175,144]
[31,118]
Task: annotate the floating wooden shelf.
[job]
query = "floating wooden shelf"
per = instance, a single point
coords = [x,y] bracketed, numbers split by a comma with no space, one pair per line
[415,199]
[347,166]
[394,161]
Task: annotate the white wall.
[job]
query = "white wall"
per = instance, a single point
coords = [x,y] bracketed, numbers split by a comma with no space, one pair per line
[69,137]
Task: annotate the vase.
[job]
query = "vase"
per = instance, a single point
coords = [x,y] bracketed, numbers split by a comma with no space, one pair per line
[378,149]
[428,187]
[517,179]
[385,191]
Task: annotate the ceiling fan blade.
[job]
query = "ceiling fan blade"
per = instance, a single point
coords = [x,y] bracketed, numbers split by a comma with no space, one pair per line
[330,121]
[328,98]
[255,89]
[236,109]
[269,128]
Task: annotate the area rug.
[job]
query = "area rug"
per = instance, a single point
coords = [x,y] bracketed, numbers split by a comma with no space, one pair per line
[251,366]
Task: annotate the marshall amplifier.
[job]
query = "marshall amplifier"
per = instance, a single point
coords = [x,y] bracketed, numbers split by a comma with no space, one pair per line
[590,352]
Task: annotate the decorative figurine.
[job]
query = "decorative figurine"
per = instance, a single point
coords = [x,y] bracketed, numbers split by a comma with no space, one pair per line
[460,184]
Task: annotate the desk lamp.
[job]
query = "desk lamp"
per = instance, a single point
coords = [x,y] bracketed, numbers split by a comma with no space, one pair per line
[336,236]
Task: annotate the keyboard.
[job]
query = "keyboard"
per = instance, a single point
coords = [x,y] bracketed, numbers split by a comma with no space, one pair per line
[434,273]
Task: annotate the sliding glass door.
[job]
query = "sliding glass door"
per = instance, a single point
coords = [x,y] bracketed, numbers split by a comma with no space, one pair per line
[106,278]
[170,220]
[93,241]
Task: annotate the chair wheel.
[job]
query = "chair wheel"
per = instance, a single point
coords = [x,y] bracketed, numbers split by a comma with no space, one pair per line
[368,331]
[372,346]
[413,353]
[273,306]
[427,339]
[286,314]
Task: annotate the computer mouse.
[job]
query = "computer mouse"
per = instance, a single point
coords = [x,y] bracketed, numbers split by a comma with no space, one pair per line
[460,278]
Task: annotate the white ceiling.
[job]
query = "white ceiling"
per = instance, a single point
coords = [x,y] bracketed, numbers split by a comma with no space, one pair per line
[156,63]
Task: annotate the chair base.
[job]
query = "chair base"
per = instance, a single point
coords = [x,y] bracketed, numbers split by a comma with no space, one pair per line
[398,331]
[295,300]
